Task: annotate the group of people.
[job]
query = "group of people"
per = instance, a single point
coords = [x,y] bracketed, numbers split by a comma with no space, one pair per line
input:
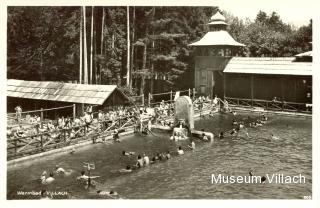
[244,124]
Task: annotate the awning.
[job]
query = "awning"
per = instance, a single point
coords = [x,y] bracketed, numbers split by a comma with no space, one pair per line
[217,38]
[283,66]
[58,91]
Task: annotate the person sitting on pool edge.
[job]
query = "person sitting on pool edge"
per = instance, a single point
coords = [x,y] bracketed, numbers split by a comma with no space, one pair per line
[180,151]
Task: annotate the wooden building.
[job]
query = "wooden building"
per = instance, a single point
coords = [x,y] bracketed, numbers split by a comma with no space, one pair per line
[266,78]
[34,95]
[218,72]
[213,51]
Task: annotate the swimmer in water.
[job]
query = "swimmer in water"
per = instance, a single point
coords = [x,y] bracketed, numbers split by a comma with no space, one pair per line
[146,160]
[110,193]
[60,170]
[233,132]
[73,150]
[274,137]
[48,180]
[221,135]
[83,176]
[234,122]
[180,151]
[204,137]
[192,145]
[128,169]
[139,163]
[250,173]
[248,135]
[168,156]
[263,179]
[153,160]
[124,153]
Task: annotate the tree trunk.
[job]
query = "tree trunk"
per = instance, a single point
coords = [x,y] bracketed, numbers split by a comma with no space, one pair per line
[152,64]
[132,47]
[91,46]
[85,47]
[144,63]
[80,55]
[128,48]
[102,30]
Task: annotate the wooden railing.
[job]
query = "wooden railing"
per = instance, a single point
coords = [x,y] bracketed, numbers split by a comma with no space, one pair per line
[270,105]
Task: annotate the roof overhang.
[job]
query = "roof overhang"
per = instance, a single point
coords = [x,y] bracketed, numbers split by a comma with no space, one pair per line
[217,38]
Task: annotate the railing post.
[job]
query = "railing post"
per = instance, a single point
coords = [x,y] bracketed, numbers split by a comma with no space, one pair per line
[193,93]
[142,97]
[171,96]
[189,92]
[15,146]
[41,117]
[64,135]
[41,141]
[74,111]
[149,99]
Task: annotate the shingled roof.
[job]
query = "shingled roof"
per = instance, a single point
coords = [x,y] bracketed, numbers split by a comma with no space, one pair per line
[58,91]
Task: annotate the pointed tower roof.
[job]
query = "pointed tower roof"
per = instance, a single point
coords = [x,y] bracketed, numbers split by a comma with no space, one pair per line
[219,36]
[217,17]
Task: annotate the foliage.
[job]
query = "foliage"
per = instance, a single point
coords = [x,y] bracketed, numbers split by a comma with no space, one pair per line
[43,42]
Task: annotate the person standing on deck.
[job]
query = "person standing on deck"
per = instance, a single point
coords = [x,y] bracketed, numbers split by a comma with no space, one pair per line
[18,110]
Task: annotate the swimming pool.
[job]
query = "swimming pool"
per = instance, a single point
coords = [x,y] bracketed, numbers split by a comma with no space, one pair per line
[187,176]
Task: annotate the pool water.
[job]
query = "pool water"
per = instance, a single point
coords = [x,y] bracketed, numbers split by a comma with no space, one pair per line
[187,176]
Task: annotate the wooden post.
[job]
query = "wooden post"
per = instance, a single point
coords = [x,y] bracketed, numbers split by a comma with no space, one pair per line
[171,96]
[15,146]
[64,135]
[142,99]
[193,93]
[149,99]
[251,82]
[74,111]
[41,141]
[224,86]
[189,92]
[41,121]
